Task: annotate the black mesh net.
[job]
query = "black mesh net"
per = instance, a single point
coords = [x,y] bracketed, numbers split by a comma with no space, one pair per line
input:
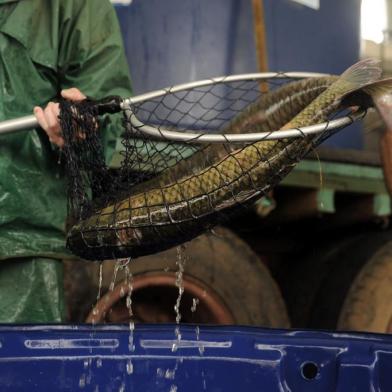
[167,192]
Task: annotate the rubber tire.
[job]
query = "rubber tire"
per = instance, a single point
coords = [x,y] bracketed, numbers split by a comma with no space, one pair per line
[368,305]
[316,284]
[303,279]
[226,264]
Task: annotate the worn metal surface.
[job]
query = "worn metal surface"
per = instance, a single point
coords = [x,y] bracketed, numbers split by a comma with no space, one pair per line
[209,358]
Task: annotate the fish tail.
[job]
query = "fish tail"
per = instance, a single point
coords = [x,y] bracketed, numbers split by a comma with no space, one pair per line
[353,79]
[356,77]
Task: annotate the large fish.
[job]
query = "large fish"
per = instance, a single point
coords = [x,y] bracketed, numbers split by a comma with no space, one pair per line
[172,213]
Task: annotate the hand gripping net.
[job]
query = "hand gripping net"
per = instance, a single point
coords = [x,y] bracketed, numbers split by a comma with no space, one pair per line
[191,156]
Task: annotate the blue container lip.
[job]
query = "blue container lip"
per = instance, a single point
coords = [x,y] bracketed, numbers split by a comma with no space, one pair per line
[190,328]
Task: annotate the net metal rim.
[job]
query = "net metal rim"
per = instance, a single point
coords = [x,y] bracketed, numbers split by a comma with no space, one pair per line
[205,137]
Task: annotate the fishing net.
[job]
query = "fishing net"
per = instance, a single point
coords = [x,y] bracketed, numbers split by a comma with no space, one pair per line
[191,156]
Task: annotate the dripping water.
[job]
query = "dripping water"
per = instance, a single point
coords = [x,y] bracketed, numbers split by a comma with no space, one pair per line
[180,263]
[117,267]
[82,381]
[100,279]
[85,378]
[197,331]
[195,302]
[128,302]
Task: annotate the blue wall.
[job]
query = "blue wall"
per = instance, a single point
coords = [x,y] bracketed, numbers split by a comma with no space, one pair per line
[175,41]
[300,38]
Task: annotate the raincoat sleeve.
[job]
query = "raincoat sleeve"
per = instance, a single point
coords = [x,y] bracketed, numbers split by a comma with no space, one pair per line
[92,58]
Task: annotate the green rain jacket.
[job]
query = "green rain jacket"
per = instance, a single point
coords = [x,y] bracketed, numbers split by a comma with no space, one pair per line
[45,46]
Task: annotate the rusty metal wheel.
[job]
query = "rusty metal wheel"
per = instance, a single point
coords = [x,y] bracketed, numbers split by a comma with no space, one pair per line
[153,297]
[224,282]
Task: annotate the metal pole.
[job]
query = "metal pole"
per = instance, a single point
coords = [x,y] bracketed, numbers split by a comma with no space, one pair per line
[18,124]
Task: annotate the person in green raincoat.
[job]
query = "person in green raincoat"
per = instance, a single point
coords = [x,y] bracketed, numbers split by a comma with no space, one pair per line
[46,46]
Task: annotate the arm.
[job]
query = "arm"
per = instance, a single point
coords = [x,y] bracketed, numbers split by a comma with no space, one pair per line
[91,58]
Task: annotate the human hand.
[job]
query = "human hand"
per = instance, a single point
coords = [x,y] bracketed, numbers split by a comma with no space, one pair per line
[48,118]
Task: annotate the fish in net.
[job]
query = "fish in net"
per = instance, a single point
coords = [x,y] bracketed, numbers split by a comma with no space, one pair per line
[167,192]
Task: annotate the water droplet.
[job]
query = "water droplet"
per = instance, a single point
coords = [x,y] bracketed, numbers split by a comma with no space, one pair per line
[82,381]
[99,363]
[204,381]
[177,332]
[100,281]
[130,339]
[129,366]
[114,277]
[173,388]
[170,374]
[179,280]
[195,302]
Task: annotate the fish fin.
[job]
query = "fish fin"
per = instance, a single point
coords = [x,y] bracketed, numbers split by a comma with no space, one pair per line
[360,74]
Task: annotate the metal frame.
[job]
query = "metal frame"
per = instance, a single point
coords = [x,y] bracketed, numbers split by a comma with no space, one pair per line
[219,80]
[204,137]
[162,134]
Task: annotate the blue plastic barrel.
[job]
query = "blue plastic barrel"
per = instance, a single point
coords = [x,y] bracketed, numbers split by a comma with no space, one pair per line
[108,358]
